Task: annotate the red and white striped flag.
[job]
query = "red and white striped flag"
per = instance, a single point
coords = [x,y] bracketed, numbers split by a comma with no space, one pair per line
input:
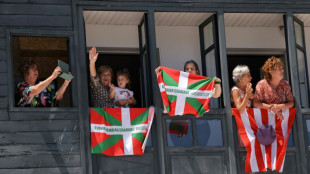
[260,157]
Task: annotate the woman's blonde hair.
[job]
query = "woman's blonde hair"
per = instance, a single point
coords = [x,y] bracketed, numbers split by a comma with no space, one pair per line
[272,63]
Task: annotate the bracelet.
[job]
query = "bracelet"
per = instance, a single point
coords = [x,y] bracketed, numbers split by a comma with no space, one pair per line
[217,82]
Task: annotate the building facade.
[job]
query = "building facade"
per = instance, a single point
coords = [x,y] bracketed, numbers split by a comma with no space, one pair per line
[141,35]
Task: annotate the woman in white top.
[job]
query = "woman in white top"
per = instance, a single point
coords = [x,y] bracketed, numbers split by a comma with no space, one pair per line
[242,92]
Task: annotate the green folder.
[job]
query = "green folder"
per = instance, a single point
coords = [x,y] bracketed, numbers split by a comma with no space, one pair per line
[65,69]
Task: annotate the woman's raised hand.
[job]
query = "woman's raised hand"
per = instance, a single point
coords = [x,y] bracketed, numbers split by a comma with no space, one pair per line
[217,79]
[93,55]
[157,70]
[56,72]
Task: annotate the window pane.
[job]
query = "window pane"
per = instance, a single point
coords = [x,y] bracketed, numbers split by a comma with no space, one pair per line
[209,132]
[303,94]
[149,140]
[145,95]
[290,142]
[211,72]
[308,131]
[143,34]
[45,52]
[208,35]
[302,78]
[298,34]
[199,164]
[210,64]
[301,65]
[179,133]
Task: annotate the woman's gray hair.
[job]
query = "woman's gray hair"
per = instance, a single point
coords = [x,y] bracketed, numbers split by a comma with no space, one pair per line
[239,72]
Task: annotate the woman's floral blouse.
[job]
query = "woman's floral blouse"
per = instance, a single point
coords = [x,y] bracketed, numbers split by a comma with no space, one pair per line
[265,93]
[45,99]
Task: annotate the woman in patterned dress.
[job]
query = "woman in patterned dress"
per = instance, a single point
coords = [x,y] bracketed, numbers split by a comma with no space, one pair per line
[273,92]
[29,93]
[99,82]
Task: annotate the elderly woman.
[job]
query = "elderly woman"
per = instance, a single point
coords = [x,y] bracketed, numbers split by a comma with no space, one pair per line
[99,82]
[33,94]
[273,92]
[192,68]
[242,93]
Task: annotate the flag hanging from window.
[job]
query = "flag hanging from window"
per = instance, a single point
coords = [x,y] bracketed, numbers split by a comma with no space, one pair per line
[184,93]
[260,157]
[120,131]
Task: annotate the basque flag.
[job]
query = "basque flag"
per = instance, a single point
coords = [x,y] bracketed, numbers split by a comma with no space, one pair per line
[260,157]
[184,93]
[120,131]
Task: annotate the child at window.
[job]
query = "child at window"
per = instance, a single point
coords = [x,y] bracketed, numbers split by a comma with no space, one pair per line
[122,96]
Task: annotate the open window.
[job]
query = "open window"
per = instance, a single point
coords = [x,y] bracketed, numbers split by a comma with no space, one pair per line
[45,51]
[251,38]
[121,40]
[178,39]
[146,76]
[300,45]
[209,53]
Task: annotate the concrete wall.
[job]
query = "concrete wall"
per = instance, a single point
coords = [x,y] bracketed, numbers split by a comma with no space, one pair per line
[253,37]
[123,36]
[181,43]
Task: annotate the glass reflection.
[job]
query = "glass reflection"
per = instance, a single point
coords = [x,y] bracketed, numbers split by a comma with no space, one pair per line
[298,34]
[179,133]
[149,140]
[208,35]
[209,132]
[143,34]
[290,142]
[308,130]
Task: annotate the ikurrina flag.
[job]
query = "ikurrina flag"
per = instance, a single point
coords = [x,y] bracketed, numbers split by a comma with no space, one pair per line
[120,131]
[183,93]
[260,157]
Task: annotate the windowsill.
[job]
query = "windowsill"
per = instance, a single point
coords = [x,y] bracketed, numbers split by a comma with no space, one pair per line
[288,149]
[42,109]
[213,113]
[305,110]
[195,149]
[50,114]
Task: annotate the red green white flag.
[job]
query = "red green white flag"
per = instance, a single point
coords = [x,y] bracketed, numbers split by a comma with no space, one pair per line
[120,131]
[183,93]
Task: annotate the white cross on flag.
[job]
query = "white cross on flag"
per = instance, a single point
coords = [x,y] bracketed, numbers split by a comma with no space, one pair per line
[120,131]
[184,93]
